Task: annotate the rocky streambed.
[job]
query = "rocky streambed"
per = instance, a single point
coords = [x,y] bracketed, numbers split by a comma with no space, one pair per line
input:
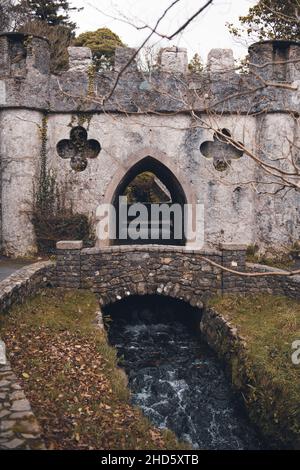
[175,378]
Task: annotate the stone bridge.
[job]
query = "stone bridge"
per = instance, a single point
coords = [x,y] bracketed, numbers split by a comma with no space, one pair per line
[179,272]
[117,272]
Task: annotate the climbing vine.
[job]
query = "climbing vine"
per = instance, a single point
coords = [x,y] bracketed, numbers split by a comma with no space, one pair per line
[53,215]
[91,81]
[84,118]
[47,187]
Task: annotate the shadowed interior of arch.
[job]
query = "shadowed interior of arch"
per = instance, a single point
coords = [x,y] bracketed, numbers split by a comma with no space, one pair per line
[153,308]
[150,182]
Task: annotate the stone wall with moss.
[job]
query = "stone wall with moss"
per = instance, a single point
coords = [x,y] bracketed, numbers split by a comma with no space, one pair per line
[259,393]
[124,119]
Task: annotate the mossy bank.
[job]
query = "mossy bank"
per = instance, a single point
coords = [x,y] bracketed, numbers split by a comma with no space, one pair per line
[254,336]
[70,376]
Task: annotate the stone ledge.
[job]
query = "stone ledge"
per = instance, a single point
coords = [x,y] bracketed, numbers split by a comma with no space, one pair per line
[151,249]
[69,245]
[24,282]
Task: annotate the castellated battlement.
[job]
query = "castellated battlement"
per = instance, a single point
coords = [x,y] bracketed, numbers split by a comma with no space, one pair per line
[26,81]
[21,54]
[275,60]
[96,130]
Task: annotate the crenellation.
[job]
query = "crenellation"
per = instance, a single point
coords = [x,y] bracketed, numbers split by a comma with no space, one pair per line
[80,59]
[163,115]
[221,61]
[275,60]
[22,54]
[173,60]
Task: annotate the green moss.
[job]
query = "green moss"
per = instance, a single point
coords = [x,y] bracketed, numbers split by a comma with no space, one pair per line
[72,377]
[265,373]
[280,260]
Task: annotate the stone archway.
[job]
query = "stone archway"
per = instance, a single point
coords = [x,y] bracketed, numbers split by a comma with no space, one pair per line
[162,166]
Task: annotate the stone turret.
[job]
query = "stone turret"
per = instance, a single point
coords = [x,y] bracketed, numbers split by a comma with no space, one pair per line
[275,60]
[21,54]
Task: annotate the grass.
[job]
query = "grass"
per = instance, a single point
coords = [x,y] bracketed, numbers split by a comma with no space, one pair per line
[283,260]
[70,375]
[269,325]
[280,263]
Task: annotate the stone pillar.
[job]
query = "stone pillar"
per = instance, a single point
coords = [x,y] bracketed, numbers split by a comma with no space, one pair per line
[3,359]
[68,264]
[173,60]
[80,59]
[220,61]
[233,257]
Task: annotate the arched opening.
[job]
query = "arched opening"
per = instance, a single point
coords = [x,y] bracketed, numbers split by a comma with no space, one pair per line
[154,213]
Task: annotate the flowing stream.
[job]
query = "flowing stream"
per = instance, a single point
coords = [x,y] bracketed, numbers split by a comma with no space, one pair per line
[174,376]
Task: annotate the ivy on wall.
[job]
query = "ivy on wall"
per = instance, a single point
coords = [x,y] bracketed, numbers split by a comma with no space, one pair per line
[53,216]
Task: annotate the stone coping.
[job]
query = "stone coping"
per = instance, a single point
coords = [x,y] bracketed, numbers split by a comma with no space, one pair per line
[21,277]
[69,245]
[232,247]
[151,248]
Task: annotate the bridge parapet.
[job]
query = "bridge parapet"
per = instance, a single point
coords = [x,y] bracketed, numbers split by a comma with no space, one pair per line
[120,271]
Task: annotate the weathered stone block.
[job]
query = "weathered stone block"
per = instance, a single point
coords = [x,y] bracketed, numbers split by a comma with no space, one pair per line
[173,60]
[220,61]
[80,58]
[69,245]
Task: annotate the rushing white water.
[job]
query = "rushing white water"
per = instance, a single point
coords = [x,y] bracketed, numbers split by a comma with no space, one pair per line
[177,381]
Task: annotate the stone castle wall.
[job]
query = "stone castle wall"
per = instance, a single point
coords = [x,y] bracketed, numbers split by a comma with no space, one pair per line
[146,115]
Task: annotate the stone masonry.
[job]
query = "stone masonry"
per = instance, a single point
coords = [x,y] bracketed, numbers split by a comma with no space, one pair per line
[117,272]
[19,428]
[124,120]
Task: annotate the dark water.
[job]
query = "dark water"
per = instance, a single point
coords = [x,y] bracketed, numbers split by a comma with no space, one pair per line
[174,377]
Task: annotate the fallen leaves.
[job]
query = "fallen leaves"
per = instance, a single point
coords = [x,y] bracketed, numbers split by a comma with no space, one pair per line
[70,377]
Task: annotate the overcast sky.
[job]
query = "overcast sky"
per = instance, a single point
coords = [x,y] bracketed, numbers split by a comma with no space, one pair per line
[206,32]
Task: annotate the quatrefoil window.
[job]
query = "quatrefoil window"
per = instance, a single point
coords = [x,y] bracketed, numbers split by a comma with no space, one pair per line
[221,150]
[78,148]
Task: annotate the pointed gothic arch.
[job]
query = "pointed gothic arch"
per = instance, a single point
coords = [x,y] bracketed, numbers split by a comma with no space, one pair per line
[164,169]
